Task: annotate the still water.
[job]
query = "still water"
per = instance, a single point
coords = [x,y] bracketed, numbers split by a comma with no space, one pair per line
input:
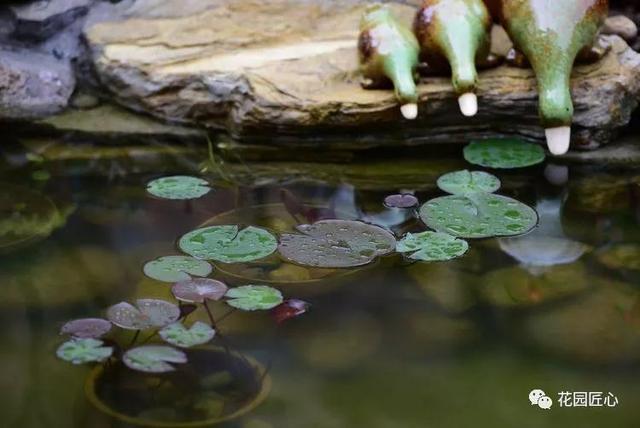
[392,344]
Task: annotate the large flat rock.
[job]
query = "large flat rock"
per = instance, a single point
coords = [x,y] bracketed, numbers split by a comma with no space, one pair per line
[264,69]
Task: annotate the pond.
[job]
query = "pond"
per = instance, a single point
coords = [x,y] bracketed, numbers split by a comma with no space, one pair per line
[393,342]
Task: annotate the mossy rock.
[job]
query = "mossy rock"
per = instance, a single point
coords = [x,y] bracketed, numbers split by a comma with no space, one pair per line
[519,287]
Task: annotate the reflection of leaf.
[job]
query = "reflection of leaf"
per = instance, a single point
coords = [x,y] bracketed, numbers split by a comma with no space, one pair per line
[153,358]
[178,335]
[178,187]
[432,246]
[468,182]
[228,245]
[86,328]
[80,351]
[198,289]
[176,268]
[481,216]
[507,153]
[149,313]
[336,244]
[254,297]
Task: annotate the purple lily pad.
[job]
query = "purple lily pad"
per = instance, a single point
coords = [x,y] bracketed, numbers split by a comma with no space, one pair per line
[289,309]
[86,328]
[196,290]
[401,201]
[149,313]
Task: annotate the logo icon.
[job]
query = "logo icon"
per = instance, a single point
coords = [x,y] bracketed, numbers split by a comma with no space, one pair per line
[537,397]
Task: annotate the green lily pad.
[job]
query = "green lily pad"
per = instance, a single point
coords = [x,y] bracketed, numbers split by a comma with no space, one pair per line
[81,351]
[176,268]
[254,297]
[177,334]
[503,154]
[153,358]
[227,244]
[336,244]
[432,246]
[149,313]
[478,216]
[178,187]
[468,182]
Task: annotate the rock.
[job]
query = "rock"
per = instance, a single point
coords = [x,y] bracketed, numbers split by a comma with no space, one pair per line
[33,85]
[299,76]
[622,26]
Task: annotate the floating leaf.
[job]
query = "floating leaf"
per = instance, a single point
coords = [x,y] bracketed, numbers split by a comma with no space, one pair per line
[153,358]
[507,153]
[176,268]
[81,351]
[228,245]
[254,297]
[401,201]
[336,244]
[198,289]
[432,246]
[481,216]
[289,309]
[468,182]
[150,313]
[86,328]
[178,187]
[177,334]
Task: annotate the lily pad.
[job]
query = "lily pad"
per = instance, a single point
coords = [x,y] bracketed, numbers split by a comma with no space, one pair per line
[432,246]
[289,309]
[178,187]
[336,244]
[153,358]
[228,244]
[177,334]
[176,268]
[150,313]
[468,182]
[86,350]
[198,290]
[404,200]
[254,297]
[503,154]
[86,328]
[479,216]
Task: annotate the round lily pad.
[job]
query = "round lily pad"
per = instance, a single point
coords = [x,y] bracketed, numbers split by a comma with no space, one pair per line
[228,244]
[86,350]
[254,297]
[153,358]
[177,334]
[401,201]
[198,290]
[481,216]
[468,182]
[432,246]
[503,154]
[86,328]
[336,244]
[149,313]
[176,268]
[178,187]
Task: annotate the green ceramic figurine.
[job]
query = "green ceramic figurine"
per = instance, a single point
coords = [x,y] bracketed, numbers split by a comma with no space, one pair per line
[455,35]
[550,35]
[388,53]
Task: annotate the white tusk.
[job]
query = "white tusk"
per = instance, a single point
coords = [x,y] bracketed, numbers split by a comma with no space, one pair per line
[558,139]
[409,111]
[468,104]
